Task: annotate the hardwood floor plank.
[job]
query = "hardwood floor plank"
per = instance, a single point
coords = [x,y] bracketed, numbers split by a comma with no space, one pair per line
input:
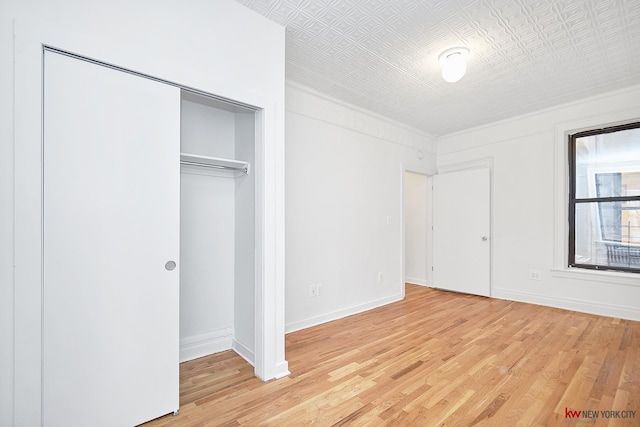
[435,358]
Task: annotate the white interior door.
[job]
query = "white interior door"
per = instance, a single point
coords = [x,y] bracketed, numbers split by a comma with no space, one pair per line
[111,223]
[462,231]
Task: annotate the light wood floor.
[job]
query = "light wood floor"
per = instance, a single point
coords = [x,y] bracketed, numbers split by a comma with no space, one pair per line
[434,359]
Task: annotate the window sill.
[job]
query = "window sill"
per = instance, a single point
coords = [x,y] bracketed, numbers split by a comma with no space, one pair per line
[612,277]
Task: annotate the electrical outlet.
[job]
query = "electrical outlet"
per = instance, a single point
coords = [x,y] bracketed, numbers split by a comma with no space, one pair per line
[534,274]
[319,289]
[313,290]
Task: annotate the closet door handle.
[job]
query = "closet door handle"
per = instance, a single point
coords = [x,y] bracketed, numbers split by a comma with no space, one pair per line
[170,265]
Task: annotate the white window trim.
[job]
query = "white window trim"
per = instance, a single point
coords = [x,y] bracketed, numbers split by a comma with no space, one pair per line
[561,209]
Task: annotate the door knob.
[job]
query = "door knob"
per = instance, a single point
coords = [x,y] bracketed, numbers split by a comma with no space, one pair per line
[485,238]
[170,265]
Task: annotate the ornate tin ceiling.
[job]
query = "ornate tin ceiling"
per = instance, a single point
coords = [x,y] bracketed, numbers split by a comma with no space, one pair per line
[526,55]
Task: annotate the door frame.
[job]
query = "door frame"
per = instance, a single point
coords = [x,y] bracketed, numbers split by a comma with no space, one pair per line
[429,172]
[28,227]
[429,224]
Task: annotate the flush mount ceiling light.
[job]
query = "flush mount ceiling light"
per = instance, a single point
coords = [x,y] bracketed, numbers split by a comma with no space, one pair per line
[454,63]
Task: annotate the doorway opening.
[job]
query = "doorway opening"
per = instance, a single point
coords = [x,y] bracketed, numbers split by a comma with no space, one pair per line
[417,230]
[217,227]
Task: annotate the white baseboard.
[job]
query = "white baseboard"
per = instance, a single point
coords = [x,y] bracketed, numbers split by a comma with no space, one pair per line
[602,309]
[339,314]
[414,281]
[243,351]
[281,370]
[201,345]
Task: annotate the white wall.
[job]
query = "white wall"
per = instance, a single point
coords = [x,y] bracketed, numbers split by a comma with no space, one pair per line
[195,43]
[416,237]
[245,239]
[345,170]
[6,217]
[529,209]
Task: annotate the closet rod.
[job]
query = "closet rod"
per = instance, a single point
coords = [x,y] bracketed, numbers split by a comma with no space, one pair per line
[244,169]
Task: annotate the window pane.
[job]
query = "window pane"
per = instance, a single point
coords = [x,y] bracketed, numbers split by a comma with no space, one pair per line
[608,234]
[608,165]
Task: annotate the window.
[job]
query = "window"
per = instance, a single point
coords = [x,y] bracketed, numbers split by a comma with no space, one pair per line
[604,198]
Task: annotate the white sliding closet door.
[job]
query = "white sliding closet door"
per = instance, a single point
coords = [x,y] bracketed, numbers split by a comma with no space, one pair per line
[111,223]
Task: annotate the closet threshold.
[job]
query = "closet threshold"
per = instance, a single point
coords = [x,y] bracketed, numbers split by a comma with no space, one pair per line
[235,166]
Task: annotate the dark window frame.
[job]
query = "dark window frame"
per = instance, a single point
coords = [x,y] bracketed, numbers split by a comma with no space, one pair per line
[573,201]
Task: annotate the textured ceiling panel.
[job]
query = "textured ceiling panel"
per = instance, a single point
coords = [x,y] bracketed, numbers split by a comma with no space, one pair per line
[382,55]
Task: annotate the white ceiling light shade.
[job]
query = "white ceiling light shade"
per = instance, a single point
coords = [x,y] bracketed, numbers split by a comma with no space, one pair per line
[454,63]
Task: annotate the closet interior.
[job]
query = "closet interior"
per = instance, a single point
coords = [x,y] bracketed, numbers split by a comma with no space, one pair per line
[217,227]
